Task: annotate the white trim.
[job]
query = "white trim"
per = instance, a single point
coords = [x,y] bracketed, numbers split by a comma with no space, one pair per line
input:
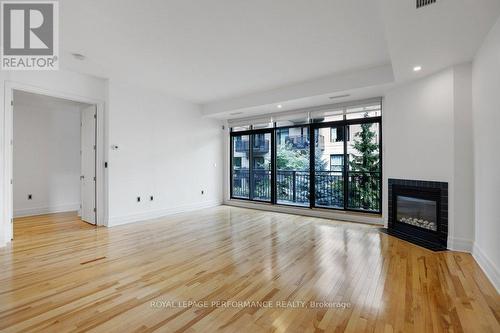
[154,214]
[46,210]
[490,270]
[460,244]
[316,212]
[10,86]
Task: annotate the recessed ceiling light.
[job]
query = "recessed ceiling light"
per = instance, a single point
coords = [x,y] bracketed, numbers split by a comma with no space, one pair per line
[417,68]
[78,56]
[279,106]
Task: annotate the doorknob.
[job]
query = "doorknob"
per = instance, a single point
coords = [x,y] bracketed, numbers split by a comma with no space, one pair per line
[82,177]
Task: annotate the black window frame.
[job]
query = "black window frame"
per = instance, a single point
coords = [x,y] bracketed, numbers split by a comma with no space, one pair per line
[251,135]
[311,126]
[306,134]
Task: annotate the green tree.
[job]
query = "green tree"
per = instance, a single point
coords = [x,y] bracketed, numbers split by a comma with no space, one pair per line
[289,158]
[366,163]
[290,161]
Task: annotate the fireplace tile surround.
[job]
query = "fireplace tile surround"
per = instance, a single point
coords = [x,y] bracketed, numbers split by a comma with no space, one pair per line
[428,229]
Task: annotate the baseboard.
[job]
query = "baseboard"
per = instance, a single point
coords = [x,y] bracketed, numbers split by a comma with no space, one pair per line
[460,244]
[154,214]
[46,210]
[487,265]
[320,213]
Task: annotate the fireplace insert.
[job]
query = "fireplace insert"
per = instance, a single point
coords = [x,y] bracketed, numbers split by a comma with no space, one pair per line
[418,212]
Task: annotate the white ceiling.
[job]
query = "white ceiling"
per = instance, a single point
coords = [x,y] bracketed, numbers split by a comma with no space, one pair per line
[212,51]
[207,50]
[436,36]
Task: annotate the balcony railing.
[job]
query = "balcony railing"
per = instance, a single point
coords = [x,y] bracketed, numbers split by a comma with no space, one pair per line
[292,187]
[262,146]
[364,191]
[261,184]
[303,142]
[329,189]
[298,141]
[259,147]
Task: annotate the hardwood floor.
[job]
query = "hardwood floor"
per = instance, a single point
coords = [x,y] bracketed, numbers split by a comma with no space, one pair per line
[63,275]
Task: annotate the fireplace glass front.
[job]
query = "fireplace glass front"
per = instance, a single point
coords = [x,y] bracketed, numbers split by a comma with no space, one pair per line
[417,212]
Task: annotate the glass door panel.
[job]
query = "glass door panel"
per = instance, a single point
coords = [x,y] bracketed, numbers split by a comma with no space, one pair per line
[329,167]
[292,166]
[241,166]
[261,166]
[364,173]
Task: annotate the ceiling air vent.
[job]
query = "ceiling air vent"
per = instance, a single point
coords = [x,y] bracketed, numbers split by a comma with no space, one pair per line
[422,3]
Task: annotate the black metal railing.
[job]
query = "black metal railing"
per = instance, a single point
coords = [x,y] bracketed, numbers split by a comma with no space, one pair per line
[241,182]
[292,187]
[364,191]
[329,187]
[261,181]
[261,184]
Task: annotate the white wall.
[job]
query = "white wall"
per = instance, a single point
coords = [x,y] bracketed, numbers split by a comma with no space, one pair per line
[463,162]
[63,82]
[166,149]
[486,115]
[46,157]
[418,131]
[426,135]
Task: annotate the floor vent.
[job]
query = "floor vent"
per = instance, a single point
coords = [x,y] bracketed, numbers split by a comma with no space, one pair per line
[422,3]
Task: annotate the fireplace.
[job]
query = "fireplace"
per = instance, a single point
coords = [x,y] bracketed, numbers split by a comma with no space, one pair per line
[418,212]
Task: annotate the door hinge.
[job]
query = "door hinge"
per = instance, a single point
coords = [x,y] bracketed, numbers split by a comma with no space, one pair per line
[95,116]
[95,210]
[12,103]
[94,178]
[11,182]
[94,147]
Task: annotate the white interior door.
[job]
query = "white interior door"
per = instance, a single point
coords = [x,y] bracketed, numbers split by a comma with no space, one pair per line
[88,155]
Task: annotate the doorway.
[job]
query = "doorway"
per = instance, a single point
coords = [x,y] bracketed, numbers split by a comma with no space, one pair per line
[99,198]
[54,156]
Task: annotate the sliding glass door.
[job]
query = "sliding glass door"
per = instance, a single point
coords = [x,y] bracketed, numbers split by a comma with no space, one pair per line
[347,165]
[329,166]
[292,165]
[240,166]
[251,166]
[364,169]
[261,167]
[331,162]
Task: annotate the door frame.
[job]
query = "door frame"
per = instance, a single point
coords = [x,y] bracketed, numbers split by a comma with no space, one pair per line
[101,179]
